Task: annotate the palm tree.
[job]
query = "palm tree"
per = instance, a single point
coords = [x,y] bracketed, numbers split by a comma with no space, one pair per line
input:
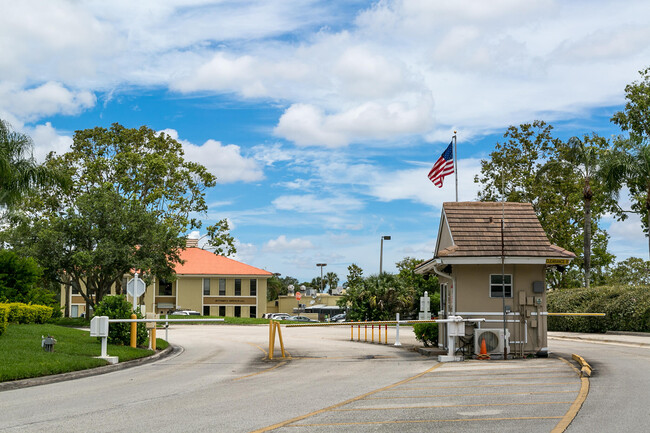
[19,172]
[632,169]
[332,280]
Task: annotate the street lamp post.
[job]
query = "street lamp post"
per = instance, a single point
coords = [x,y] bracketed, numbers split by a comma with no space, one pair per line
[381,253]
[321,265]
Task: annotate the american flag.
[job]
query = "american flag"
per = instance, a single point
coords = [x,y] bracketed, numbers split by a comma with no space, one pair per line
[444,166]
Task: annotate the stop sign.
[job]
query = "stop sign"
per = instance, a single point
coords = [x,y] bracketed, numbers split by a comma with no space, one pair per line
[298,296]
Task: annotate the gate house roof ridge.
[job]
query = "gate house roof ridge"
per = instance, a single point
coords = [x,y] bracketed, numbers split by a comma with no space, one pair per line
[475,228]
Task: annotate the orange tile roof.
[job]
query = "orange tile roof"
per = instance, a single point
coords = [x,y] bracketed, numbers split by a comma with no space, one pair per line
[202,262]
[476,231]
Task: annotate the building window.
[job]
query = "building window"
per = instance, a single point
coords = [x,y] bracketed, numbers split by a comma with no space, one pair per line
[222,310]
[222,287]
[253,288]
[237,311]
[164,288]
[237,288]
[74,311]
[497,285]
[206,286]
[206,310]
[253,312]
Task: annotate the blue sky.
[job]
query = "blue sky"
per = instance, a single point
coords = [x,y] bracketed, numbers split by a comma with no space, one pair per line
[321,119]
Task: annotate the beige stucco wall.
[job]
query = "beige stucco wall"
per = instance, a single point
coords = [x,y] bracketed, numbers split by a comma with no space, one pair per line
[473,297]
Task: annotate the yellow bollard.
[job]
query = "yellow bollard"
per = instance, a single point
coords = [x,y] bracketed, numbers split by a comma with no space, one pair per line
[386,335]
[153,337]
[277,324]
[373,334]
[366,333]
[358,332]
[271,338]
[134,330]
[379,340]
[351,332]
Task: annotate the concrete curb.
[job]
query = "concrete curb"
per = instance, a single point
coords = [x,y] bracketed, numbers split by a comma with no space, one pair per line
[598,340]
[44,380]
[585,368]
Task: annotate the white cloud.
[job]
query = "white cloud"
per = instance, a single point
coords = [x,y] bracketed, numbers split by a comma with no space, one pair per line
[46,139]
[282,244]
[45,100]
[308,125]
[225,162]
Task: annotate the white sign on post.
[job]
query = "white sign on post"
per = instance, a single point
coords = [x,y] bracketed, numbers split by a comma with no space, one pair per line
[425,307]
[135,288]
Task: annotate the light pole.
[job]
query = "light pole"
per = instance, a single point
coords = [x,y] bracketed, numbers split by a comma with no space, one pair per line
[381,253]
[321,265]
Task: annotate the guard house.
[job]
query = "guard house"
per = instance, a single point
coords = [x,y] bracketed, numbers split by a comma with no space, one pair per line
[475,267]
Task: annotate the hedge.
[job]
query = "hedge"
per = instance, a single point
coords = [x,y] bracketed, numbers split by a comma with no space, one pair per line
[26,313]
[427,333]
[4,315]
[625,308]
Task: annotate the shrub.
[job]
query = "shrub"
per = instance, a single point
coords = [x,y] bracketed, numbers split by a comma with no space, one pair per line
[427,333]
[4,314]
[18,312]
[117,307]
[625,308]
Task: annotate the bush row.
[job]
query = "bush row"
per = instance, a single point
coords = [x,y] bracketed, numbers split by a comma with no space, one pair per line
[4,315]
[625,308]
[26,313]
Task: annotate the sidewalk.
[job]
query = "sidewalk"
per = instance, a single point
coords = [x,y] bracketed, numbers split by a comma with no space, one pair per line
[637,339]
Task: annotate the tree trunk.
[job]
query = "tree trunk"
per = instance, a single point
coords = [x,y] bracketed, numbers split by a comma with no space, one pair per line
[587,244]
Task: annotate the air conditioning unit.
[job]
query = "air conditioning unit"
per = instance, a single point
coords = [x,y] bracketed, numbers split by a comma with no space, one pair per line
[494,340]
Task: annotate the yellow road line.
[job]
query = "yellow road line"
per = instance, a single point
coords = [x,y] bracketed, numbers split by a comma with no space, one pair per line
[577,404]
[469,395]
[527,377]
[492,386]
[482,374]
[450,405]
[522,418]
[301,417]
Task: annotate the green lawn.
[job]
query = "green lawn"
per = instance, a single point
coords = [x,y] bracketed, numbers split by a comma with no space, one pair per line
[21,355]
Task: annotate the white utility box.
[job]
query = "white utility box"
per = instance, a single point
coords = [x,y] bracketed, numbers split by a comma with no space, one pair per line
[99,326]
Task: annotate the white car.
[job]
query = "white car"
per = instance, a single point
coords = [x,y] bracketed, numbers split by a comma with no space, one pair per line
[279,316]
[185,313]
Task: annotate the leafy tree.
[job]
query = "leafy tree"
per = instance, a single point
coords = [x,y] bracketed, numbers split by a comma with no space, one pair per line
[220,238]
[132,197]
[332,280]
[316,283]
[19,277]
[534,167]
[419,283]
[355,276]
[377,298]
[629,162]
[19,172]
[632,271]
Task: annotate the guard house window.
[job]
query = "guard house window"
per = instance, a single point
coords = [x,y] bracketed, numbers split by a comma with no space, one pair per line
[206,286]
[164,288]
[237,311]
[253,288]
[222,287]
[497,285]
[237,288]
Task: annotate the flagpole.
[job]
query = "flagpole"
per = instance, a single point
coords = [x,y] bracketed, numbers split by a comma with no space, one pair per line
[455,166]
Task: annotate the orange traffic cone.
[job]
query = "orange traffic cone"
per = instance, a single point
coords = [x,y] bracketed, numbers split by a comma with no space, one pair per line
[483,354]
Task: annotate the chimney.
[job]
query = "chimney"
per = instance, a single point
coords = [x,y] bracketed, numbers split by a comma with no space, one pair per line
[191,243]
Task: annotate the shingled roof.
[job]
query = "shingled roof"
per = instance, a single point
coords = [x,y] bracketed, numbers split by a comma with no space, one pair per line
[475,228]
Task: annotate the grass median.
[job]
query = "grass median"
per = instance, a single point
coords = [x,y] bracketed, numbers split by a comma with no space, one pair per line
[22,357]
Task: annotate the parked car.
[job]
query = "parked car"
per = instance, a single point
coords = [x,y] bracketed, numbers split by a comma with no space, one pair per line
[338,318]
[185,313]
[300,319]
[279,316]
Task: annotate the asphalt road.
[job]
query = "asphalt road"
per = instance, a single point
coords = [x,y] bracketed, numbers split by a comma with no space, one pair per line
[619,389]
[222,382]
